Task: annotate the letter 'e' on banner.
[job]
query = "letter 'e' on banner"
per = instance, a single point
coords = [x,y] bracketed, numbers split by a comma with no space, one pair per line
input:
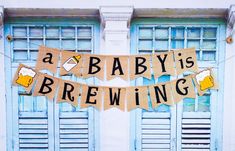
[25,77]
[185,60]
[137,97]
[46,85]
[68,92]
[47,59]
[182,88]
[163,64]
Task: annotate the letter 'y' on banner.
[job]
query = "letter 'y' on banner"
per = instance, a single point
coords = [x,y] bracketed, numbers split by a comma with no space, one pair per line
[163,64]
[182,88]
[91,96]
[117,67]
[46,86]
[140,66]
[185,60]
[25,77]
[137,97]
[114,97]
[47,59]
[68,92]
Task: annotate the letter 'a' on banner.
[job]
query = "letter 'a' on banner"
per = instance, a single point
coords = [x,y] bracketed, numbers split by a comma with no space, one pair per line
[114,97]
[117,66]
[185,60]
[91,96]
[182,88]
[46,86]
[137,97]
[140,66]
[25,77]
[163,64]
[68,92]
[47,59]
[71,62]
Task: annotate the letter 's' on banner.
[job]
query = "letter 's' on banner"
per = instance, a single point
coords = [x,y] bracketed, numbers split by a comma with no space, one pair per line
[46,86]
[47,59]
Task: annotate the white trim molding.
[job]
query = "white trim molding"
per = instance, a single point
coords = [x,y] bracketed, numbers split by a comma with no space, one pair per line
[231,16]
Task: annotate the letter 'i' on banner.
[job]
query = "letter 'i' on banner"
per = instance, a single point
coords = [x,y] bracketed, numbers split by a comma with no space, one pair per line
[185,60]
[117,67]
[114,97]
[205,80]
[163,64]
[140,66]
[182,88]
[68,92]
[71,62]
[161,94]
[93,66]
[137,97]
[47,59]
[25,77]
[46,86]
[91,96]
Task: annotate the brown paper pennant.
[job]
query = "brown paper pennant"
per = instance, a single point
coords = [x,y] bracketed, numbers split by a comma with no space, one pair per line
[68,92]
[25,77]
[47,59]
[163,64]
[46,86]
[137,97]
[185,60]
[114,97]
[117,67]
[140,66]
[182,88]
[91,96]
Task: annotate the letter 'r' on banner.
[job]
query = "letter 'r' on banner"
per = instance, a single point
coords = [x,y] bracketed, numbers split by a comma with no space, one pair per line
[46,85]
[47,59]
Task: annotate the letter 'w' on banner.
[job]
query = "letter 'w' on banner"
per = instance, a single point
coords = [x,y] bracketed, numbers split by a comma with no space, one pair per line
[163,64]
[46,86]
[25,77]
[47,59]
[91,96]
[68,92]
[182,88]
[137,97]
[185,60]
[117,67]
[140,66]
[114,97]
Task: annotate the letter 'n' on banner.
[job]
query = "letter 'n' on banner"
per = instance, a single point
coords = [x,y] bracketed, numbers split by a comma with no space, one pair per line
[68,92]
[46,85]
[47,59]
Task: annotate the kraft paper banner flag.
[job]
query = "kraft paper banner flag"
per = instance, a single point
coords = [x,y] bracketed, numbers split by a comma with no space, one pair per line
[163,64]
[45,86]
[182,88]
[91,96]
[185,60]
[161,94]
[117,67]
[140,66]
[93,66]
[25,77]
[205,80]
[47,59]
[68,92]
[71,62]
[137,97]
[114,97]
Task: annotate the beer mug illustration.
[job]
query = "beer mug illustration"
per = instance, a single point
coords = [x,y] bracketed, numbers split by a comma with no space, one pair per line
[71,63]
[25,77]
[205,80]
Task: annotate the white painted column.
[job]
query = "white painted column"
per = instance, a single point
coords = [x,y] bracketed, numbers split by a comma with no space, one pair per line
[115,124]
[229,87]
